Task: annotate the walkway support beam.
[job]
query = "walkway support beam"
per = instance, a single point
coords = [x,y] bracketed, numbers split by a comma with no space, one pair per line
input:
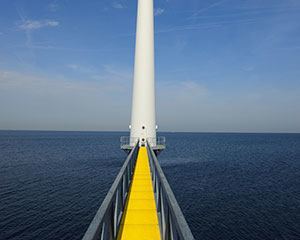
[143,125]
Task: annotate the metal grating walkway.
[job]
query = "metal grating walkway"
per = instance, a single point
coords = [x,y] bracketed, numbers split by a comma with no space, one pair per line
[140,220]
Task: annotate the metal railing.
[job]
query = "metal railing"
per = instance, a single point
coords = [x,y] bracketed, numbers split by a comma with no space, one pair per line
[173,225]
[105,224]
[126,142]
[159,141]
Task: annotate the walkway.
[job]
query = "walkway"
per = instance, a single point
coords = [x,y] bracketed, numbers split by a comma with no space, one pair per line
[140,219]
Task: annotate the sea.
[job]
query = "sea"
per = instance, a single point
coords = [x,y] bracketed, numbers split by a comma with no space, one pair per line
[228,185]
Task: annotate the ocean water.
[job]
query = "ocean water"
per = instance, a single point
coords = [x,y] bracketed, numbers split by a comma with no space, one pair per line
[229,186]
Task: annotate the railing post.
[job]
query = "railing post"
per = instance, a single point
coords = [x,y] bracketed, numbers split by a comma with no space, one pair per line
[123,190]
[115,218]
[163,217]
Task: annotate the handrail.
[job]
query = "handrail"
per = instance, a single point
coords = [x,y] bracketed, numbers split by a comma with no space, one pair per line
[107,220]
[171,220]
[157,141]
[126,142]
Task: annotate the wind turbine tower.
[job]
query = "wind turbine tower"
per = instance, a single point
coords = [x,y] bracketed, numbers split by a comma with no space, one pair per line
[143,126]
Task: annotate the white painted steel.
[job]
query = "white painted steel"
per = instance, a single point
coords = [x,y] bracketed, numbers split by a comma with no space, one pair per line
[143,124]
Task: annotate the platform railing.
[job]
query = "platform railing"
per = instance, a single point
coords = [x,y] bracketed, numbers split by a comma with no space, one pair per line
[173,225]
[159,141]
[126,142]
[105,224]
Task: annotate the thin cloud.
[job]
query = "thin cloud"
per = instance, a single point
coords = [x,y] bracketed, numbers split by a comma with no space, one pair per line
[37,24]
[53,7]
[201,109]
[62,48]
[159,11]
[73,66]
[241,12]
[87,70]
[39,102]
[208,25]
[206,8]
[80,103]
[118,5]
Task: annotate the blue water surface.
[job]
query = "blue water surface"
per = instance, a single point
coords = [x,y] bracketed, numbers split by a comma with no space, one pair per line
[229,186]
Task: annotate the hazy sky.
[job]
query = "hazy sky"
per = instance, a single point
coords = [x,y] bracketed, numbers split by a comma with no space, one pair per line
[220,65]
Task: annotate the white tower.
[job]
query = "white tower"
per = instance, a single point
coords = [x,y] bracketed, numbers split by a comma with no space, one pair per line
[143,126]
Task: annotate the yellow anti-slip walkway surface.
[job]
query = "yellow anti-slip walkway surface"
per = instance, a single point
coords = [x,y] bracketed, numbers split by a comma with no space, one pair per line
[140,219]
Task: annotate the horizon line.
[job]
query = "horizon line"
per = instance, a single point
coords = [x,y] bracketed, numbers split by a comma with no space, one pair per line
[123,131]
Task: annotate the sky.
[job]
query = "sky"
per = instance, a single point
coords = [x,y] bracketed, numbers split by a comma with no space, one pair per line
[221,65]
